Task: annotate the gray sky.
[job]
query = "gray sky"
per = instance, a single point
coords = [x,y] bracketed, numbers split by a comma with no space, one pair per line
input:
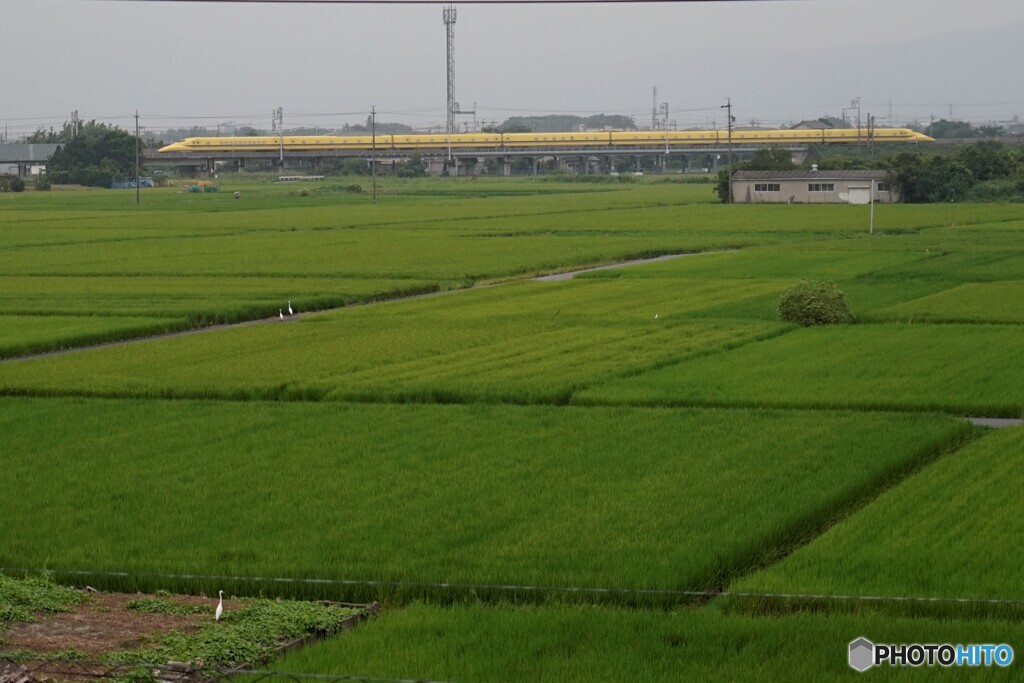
[326,64]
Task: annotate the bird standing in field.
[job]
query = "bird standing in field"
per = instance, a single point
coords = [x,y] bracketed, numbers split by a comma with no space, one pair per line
[290,311]
[280,314]
[220,607]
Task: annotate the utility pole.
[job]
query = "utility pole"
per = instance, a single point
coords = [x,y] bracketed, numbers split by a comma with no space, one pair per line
[871,136]
[138,198]
[373,152]
[448,14]
[728,110]
[871,226]
[855,104]
[74,124]
[654,109]
[277,123]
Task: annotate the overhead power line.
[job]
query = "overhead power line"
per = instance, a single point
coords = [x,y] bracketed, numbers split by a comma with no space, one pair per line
[461,2]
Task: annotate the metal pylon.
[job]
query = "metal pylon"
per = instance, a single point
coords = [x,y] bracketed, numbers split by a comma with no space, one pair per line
[449,24]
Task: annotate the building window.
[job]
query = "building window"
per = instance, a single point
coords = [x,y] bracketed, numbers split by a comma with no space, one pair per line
[767,187]
[882,187]
[821,187]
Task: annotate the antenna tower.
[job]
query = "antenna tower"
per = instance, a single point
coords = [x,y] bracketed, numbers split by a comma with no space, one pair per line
[449,25]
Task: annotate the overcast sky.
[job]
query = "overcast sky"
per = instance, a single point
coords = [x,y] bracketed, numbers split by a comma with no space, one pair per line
[192,63]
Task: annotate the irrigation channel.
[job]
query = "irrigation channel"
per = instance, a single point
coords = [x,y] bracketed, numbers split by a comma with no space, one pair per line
[567,275]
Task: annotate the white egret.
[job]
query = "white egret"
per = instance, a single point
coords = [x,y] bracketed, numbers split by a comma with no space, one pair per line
[220,607]
[280,314]
[290,311]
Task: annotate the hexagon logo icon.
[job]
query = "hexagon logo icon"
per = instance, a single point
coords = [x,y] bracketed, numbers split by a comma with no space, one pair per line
[862,654]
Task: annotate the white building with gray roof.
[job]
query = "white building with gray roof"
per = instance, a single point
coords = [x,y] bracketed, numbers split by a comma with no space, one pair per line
[812,187]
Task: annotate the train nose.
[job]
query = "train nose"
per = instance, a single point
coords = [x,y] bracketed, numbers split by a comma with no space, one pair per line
[175,147]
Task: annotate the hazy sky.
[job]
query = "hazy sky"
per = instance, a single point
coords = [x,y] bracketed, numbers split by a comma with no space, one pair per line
[199,64]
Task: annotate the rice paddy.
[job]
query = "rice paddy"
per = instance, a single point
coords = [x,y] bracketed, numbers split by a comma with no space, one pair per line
[961,369]
[671,500]
[529,342]
[501,643]
[950,531]
[491,461]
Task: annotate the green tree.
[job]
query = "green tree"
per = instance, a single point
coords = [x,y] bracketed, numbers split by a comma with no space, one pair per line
[951,129]
[771,158]
[11,183]
[930,179]
[947,180]
[42,136]
[987,160]
[846,164]
[722,185]
[95,156]
[904,174]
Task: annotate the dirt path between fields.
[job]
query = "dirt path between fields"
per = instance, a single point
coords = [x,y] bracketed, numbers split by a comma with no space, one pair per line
[567,275]
[994,422]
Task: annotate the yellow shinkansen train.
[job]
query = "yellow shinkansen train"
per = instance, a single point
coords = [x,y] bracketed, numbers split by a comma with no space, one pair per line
[495,142]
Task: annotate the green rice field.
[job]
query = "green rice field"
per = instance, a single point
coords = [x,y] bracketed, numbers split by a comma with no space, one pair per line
[961,369]
[528,342]
[636,473]
[673,499]
[950,531]
[552,643]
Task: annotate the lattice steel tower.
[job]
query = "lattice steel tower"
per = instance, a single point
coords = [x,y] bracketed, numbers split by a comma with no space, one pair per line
[449,24]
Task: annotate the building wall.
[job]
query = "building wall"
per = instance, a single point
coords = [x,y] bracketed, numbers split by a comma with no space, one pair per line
[799,192]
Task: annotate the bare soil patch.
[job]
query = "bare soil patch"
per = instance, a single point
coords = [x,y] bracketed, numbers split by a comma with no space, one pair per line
[104,624]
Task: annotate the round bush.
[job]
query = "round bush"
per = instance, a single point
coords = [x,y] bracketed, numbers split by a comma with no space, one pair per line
[814,303]
[11,183]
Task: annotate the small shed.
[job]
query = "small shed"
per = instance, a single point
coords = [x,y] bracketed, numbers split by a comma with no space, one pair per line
[811,187]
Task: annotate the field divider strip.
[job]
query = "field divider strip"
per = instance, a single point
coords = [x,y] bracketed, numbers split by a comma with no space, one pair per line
[320,396]
[965,411]
[383,583]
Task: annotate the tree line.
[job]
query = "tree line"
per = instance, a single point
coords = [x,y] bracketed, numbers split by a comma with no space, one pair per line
[89,153]
[980,172]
